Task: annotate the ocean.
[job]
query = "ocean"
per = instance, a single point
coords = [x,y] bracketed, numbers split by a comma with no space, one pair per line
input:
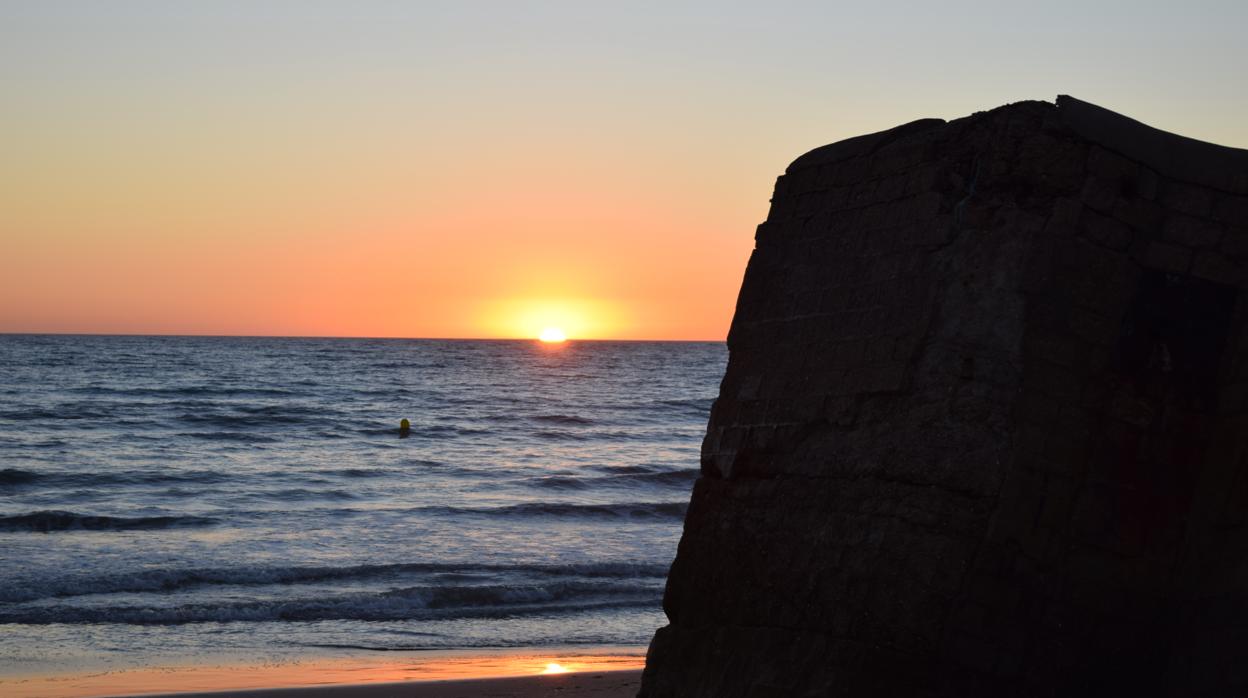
[168,499]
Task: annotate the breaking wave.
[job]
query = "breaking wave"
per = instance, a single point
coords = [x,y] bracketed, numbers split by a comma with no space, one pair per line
[639,510]
[49,521]
[169,580]
[410,603]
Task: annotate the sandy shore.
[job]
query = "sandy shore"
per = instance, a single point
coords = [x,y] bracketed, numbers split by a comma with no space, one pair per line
[603,684]
[604,671]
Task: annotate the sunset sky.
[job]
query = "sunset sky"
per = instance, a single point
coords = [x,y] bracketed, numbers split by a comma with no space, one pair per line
[473,169]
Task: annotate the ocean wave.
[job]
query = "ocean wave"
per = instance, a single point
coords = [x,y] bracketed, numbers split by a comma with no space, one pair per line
[359,472]
[494,400]
[298,494]
[559,482]
[627,469]
[167,580]
[228,436]
[557,435]
[412,603]
[694,407]
[370,648]
[379,431]
[674,478]
[426,463]
[665,477]
[562,419]
[647,435]
[602,436]
[497,595]
[48,521]
[244,417]
[637,510]
[14,476]
[59,413]
[191,391]
[671,478]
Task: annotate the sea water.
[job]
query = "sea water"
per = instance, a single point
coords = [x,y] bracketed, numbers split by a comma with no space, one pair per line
[166,499]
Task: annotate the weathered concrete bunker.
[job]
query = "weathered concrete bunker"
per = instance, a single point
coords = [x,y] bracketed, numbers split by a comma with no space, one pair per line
[984,427]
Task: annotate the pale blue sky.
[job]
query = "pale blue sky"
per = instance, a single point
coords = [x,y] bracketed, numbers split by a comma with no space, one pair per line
[804,67]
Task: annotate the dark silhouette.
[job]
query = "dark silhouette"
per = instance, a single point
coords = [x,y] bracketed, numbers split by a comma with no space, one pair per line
[983,427]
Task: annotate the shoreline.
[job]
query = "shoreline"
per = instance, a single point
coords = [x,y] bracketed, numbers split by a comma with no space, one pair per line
[606,672]
[615,683]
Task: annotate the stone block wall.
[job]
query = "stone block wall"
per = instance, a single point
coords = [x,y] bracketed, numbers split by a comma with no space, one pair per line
[982,430]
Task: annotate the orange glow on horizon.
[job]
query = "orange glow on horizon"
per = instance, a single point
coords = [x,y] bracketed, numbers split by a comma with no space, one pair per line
[554,319]
[327,283]
[146,232]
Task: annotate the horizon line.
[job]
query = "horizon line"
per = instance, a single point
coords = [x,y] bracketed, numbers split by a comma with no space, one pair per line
[314,336]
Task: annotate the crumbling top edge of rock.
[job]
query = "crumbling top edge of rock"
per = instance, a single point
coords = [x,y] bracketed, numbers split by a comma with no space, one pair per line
[1169,154]
[860,145]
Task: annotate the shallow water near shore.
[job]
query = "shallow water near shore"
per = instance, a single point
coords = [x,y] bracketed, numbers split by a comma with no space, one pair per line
[174,498]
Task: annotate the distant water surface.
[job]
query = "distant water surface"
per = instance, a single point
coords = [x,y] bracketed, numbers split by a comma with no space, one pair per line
[167,498]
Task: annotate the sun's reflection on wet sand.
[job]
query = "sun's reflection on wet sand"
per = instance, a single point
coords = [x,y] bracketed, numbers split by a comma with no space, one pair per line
[428,666]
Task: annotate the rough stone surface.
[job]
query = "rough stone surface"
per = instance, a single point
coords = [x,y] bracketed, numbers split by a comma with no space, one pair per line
[984,427]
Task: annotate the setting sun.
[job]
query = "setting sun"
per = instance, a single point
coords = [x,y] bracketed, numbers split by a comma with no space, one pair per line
[526,316]
[553,334]
[554,668]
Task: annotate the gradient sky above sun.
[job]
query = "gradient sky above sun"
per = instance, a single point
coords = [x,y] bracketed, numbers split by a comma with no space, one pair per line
[473,169]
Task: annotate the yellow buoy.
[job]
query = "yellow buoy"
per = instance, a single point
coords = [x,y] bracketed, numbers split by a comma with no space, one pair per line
[405,427]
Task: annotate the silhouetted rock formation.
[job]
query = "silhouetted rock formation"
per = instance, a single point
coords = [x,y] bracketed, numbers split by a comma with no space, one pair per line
[984,428]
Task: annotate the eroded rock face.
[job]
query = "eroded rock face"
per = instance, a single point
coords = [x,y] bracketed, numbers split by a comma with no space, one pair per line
[983,429]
